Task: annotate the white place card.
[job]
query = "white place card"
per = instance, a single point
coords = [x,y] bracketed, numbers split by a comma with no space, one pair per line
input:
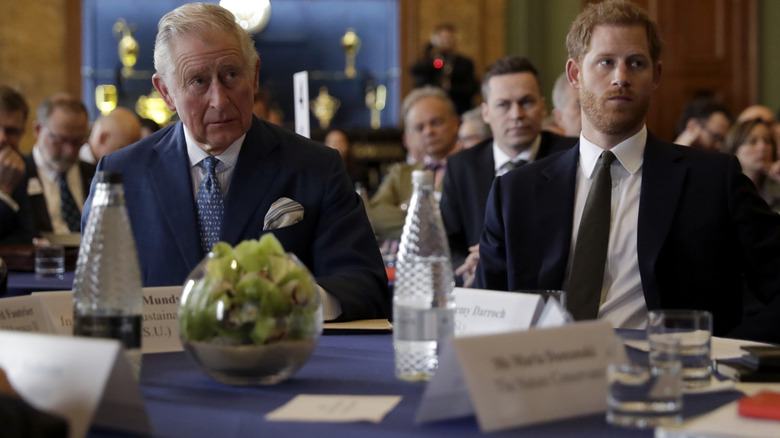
[540,375]
[159,328]
[81,379]
[301,96]
[481,312]
[335,408]
[23,314]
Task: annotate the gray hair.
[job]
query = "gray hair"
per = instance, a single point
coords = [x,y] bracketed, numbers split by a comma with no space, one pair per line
[474,115]
[559,91]
[199,19]
[64,101]
[421,93]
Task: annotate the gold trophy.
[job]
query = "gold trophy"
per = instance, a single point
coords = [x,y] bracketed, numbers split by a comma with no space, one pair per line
[324,107]
[375,101]
[128,46]
[105,98]
[351,45]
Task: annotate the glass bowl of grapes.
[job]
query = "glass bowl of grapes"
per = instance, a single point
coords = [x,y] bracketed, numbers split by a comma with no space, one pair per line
[250,314]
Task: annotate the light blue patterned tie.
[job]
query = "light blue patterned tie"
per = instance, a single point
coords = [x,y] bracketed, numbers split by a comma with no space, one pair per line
[210,206]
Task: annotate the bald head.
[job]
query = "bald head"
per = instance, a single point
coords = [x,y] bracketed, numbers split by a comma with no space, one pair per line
[118,129]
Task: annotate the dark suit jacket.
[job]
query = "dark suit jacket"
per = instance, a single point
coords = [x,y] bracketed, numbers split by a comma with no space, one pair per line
[334,239]
[41,222]
[702,228]
[463,82]
[467,182]
[17,226]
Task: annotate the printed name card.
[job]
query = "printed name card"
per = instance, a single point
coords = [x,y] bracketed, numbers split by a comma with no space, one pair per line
[539,375]
[84,380]
[160,326]
[23,314]
[481,312]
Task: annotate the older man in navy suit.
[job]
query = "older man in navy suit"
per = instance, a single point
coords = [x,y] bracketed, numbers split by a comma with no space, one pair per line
[222,174]
[679,227]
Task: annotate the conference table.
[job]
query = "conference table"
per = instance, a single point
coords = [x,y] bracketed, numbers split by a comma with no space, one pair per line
[182,401]
[24,283]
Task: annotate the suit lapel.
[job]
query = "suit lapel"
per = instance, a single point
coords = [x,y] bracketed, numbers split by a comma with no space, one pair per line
[172,186]
[663,176]
[256,169]
[554,196]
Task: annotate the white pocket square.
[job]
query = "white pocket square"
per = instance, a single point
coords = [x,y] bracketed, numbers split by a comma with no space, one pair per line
[283,213]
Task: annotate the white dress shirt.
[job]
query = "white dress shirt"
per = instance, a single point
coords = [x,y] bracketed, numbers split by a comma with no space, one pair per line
[500,158]
[624,305]
[49,183]
[331,308]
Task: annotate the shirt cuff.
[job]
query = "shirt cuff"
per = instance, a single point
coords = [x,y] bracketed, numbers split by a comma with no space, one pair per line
[331,308]
[5,197]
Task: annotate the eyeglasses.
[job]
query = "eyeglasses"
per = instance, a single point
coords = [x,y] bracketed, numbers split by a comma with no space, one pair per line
[715,136]
[58,140]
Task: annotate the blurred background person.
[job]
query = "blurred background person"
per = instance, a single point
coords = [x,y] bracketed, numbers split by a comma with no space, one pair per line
[338,140]
[473,129]
[14,209]
[120,128]
[566,107]
[57,181]
[703,124]
[753,143]
[442,66]
[148,127]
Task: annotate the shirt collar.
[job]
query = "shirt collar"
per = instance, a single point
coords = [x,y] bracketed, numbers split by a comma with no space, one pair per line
[429,161]
[500,157]
[196,154]
[629,153]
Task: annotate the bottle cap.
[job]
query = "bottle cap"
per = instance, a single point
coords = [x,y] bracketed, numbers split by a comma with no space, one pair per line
[105,176]
[422,177]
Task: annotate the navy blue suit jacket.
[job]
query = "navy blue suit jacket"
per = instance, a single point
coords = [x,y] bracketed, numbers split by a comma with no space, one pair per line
[334,239]
[702,231]
[466,186]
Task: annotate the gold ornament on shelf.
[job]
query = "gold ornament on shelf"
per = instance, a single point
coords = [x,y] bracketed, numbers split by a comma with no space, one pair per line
[324,107]
[376,98]
[152,106]
[128,46]
[105,98]
[350,42]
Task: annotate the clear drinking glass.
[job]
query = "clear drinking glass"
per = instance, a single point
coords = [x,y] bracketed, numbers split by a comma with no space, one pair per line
[49,261]
[646,395]
[694,330]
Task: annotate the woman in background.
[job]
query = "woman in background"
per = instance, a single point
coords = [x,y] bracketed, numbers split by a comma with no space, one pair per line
[753,143]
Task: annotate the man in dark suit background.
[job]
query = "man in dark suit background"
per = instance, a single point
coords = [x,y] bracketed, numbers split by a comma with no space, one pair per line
[14,208]
[686,228]
[514,108]
[57,181]
[442,66]
[249,176]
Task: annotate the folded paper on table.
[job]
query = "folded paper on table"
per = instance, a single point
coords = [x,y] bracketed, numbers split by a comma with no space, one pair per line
[360,326]
[335,408]
[81,379]
[480,312]
[23,314]
[540,375]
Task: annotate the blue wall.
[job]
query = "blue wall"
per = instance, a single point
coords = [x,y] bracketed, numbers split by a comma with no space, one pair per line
[301,35]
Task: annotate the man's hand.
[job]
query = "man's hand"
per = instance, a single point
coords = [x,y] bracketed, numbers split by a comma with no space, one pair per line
[11,169]
[469,268]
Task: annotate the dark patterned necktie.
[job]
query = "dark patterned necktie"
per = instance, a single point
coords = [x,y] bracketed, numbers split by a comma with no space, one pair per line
[69,210]
[509,165]
[590,250]
[210,206]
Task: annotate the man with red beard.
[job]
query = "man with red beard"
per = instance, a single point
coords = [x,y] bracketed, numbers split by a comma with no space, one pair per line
[624,222]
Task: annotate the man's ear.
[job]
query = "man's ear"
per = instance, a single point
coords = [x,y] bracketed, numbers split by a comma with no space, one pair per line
[159,85]
[257,77]
[37,127]
[573,73]
[657,74]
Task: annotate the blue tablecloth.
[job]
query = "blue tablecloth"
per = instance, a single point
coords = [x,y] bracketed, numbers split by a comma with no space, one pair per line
[24,283]
[184,402]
